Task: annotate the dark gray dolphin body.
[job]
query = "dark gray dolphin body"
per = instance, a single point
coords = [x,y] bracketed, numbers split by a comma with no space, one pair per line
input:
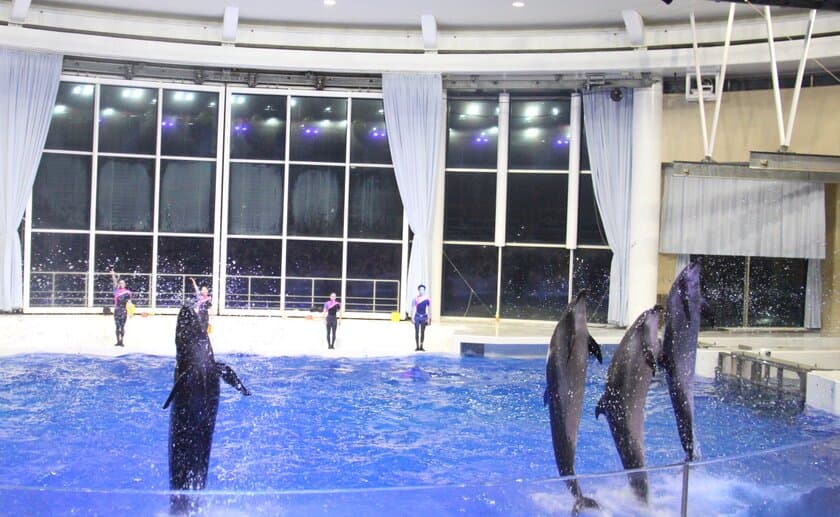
[628,380]
[679,351]
[195,401]
[565,372]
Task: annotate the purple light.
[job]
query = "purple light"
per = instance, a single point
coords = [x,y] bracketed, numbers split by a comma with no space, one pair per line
[311,131]
[240,128]
[375,133]
[561,141]
[481,140]
[168,123]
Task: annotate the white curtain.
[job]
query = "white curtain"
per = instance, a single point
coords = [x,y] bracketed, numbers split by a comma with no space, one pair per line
[414,118]
[682,261]
[756,218]
[609,136]
[28,87]
[813,295]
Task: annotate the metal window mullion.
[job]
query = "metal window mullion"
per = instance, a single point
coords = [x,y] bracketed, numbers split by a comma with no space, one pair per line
[27,256]
[223,231]
[745,311]
[284,242]
[499,282]
[346,211]
[156,207]
[571,273]
[222,151]
[502,170]
[94,176]
[573,200]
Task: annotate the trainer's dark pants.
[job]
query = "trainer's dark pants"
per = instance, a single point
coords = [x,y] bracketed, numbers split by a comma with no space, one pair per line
[332,326]
[419,332]
[120,315]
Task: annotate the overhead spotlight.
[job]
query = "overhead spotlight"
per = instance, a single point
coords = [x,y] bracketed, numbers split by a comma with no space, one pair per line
[428,25]
[320,82]
[19,10]
[616,94]
[668,1]
[229,24]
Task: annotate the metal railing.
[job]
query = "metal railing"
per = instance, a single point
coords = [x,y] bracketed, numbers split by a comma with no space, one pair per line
[764,372]
[58,289]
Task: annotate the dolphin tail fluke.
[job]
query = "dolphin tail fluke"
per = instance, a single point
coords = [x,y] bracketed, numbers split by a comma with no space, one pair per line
[175,389]
[582,503]
[230,377]
[595,350]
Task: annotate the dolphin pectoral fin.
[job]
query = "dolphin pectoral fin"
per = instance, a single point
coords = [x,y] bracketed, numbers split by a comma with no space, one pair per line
[595,350]
[230,377]
[175,389]
[650,359]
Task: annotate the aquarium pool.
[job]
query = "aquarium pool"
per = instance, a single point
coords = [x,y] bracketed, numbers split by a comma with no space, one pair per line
[87,435]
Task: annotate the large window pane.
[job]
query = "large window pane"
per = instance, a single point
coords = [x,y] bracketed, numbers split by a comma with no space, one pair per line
[590,226]
[373,274]
[190,122]
[187,196]
[124,194]
[777,292]
[71,126]
[536,210]
[722,285]
[258,127]
[535,282]
[472,136]
[592,272]
[127,120]
[539,134]
[61,195]
[469,206]
[319,129]
[469,281]
[255,199]
[368,139]
[313,271]
[316,201]
[59,270]
[131,258]
[179,259]
[375,207]
[253,269]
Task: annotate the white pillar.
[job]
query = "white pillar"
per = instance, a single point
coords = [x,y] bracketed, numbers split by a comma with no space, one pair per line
[645,194]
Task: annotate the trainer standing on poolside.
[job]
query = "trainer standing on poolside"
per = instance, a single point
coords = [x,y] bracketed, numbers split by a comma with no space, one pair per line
[332,311]
[422,317]
[121,297]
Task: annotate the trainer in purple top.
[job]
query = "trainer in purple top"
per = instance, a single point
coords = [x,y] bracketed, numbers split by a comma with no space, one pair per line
[203,302]
[422,317]
[332,311]
[121,297]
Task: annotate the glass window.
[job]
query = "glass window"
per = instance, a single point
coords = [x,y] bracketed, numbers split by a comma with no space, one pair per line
[131,258]
[469,281]
[539,134]
[777,292]
[124,194]
[469,206]
[313,270]
[722,285]
[179,259]
[253,268]
[59,269]
[375,210]
[535,282]
[368,139]
[61,195]
[590,226]
[592,272]
[258,127]
[71,126]
[536,210]
[318,130]
[187,196]
[584,149]
[373,274]
[316,201]
[255,199]
[190,122]
[127,120]
[473,133]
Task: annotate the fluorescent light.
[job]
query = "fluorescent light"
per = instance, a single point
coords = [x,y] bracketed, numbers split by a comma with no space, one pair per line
[329,3]
[60,109]
[518,4]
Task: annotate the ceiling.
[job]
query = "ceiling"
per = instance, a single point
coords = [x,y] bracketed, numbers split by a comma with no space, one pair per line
[450,14]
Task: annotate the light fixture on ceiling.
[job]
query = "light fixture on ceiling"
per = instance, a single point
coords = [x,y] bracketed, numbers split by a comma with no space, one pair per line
[428,25]
[329,3]
[19,10]
[518,3]
[229,23]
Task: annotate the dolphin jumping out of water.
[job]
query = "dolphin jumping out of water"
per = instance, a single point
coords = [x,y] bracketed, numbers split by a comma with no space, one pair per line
[565,372]
[195,401]
[679,351]
[628,380]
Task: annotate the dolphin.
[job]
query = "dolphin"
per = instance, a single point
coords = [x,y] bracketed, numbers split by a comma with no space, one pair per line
[628,380]
[565,372]
[679,351]
[195,401]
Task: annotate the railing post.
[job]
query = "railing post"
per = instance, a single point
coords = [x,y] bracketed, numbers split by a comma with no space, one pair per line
[684,505]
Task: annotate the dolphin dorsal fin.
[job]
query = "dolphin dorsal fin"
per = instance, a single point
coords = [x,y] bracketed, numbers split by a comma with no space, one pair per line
[595,350]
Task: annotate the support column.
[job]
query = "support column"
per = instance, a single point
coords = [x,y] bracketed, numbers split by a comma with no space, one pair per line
[645,199]
[437,232]
[831,264]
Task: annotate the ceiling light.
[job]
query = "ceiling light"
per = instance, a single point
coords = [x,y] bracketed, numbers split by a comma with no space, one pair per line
[329,3]
[518,4]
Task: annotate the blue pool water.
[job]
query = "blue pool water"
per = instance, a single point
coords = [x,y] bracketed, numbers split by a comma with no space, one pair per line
[72,423]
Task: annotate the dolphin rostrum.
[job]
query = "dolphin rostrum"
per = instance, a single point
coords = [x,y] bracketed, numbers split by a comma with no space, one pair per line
[565,371]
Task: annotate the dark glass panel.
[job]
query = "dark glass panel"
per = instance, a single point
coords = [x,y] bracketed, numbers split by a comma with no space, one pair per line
[535,282]
[258,127]
[71,126]
[127,120]
[179,259]
[375,261]
[131,257]
[190,122]
[539,134]
[59,270]
[469,206]
[61,195]
[536,210]
[722,285]
[255,199]
[592,272]
[318,130]
[590,226]
[124,194]
[368,139]
[375,210]
[472,134]
[469,281]
[260,257]
[584,150]
[316,201]
[187,196]
[314,271]
[777,292]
